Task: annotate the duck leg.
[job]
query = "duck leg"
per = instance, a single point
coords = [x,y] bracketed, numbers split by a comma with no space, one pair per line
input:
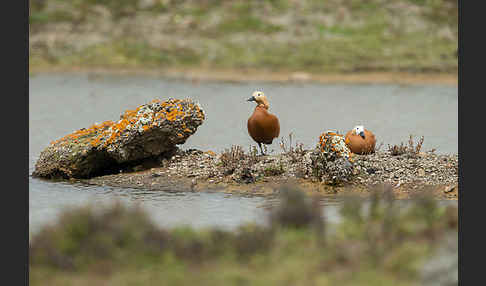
[261,150]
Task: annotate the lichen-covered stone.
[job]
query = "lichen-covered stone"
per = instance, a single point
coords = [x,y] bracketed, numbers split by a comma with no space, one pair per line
[332,159]
[153,129]
[333,146]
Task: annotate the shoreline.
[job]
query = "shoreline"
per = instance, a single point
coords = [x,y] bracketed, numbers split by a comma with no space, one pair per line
[144,180]
[197,75]
[197,171]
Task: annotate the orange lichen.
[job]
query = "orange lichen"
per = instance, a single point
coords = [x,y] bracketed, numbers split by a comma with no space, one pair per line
[93,129]
[95,142]
[108,131]
[329,142]
[174,112]
[129,114]
[351,157]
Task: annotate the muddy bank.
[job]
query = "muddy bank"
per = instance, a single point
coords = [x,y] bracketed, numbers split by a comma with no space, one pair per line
[196,75]
[194,170]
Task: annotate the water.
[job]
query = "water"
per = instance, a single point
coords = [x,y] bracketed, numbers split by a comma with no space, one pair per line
[199,210]
[62,103]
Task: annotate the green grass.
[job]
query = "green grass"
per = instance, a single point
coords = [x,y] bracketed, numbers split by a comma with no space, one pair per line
[272,35]
[274,170]
[121,246]
[245,23]
[123,53]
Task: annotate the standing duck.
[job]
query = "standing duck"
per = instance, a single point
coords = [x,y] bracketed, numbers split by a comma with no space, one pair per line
[360,140]
[263,127]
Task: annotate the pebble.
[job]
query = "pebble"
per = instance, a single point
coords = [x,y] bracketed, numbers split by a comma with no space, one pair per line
[449,189]
[376,168]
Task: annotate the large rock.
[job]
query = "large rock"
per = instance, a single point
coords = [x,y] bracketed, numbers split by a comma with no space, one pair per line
[333,146]
[332,160]
[149,131]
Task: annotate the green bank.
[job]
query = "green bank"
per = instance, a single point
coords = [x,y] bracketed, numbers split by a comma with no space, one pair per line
[380,242]
[335,36]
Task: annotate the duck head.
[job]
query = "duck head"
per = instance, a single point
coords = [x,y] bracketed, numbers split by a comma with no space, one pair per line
[260,99]
[359,130]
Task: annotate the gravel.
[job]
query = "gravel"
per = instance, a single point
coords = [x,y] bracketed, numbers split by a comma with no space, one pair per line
[196,170]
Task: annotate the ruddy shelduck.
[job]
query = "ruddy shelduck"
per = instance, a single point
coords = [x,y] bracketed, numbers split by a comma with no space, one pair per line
[263,127]
[360,140]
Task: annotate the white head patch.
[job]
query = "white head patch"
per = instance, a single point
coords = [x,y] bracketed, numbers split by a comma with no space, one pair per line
[358,129]
[257,93]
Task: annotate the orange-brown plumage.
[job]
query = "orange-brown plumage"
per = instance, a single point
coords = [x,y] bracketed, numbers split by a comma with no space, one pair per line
[263,126]
[359,145]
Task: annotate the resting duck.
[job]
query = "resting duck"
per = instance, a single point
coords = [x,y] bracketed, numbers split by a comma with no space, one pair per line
[263,127]
[360,140]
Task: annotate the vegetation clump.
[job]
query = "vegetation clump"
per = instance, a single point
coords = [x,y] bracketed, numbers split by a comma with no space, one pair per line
[274,170]
[295,152]
[375,242]
[231,158]
[296,210]
[411,150]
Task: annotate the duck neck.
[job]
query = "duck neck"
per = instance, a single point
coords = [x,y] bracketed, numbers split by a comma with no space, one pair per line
[264,104]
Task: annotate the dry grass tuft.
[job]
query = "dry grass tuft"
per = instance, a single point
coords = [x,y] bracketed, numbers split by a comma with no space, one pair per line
[377,149]
[231,158]
[296,153]
[411,149]
[296,210]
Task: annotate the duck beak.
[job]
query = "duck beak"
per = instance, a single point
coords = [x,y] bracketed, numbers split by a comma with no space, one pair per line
[251,99]
[362,134]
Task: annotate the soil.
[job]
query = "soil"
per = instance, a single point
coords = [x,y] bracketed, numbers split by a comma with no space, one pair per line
[193,170]
[247,75]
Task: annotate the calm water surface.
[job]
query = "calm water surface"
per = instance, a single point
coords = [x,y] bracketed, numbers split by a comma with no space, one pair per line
[62,103]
